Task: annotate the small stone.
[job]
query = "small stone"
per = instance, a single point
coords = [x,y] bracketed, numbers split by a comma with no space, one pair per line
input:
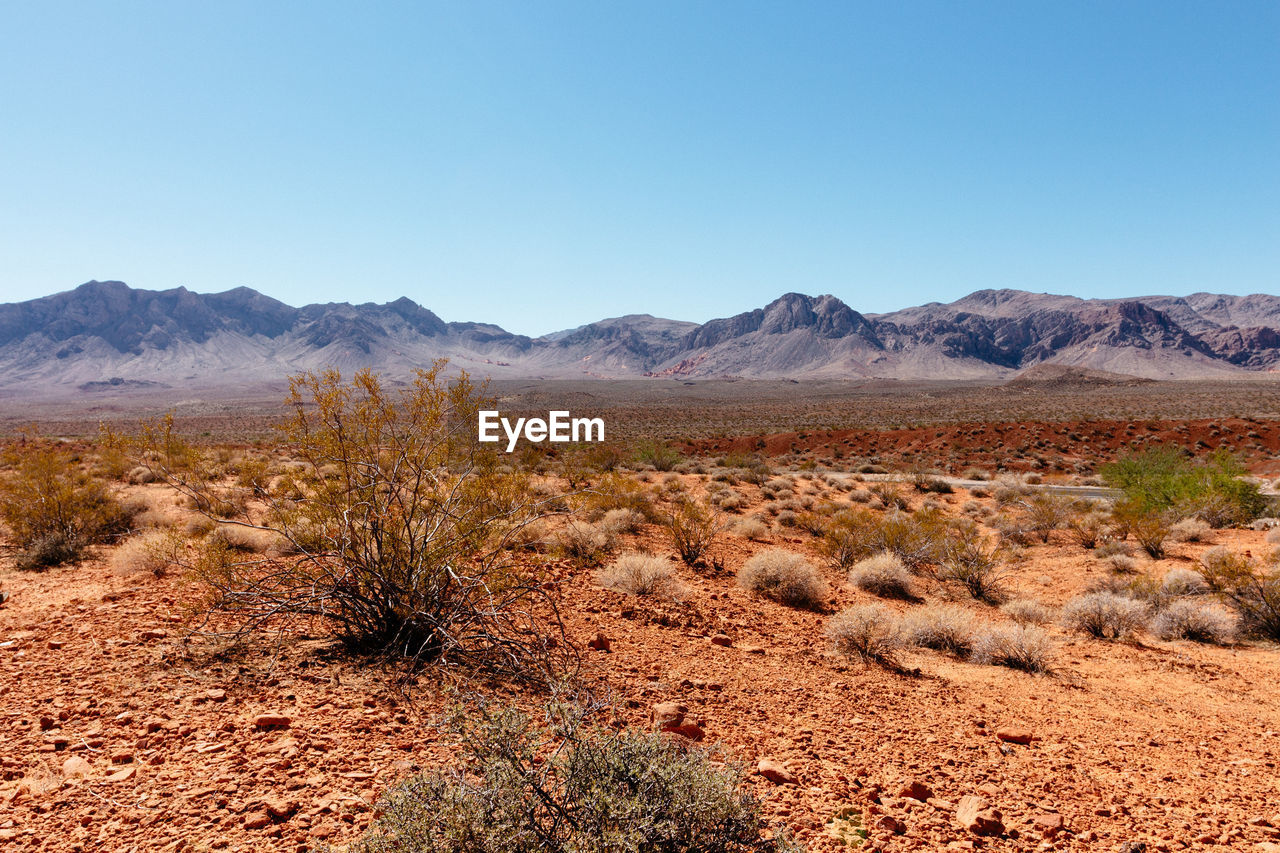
[1015,735]
[47,722]
[916,790]
[776,773]
[889,823]
[975,814]
[154,634]
[215,695]
[56,644]
[721,640]
[257,820]
[279,808]
[122,756]
[271,721]
[600,643]
[667,714]
[76,767]
[123,775]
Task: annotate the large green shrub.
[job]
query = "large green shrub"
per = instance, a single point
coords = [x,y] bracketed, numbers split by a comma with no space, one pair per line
[568,788]
[1164,479]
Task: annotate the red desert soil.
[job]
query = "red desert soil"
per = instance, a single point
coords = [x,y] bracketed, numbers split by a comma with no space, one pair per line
[118,736]
[1024,445]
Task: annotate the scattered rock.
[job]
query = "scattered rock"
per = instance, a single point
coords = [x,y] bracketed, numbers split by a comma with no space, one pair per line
[889,823]
[154,634]
[76,767]
[916,790]
[776,773]
[273,721]
[1049,824]
[600,643]
[123,775]
[122,756]
[721,640]
[257,820]
[1015,735]
[975,814]
[279,808]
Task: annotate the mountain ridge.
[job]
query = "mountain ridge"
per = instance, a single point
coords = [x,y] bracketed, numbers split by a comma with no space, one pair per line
[104,335]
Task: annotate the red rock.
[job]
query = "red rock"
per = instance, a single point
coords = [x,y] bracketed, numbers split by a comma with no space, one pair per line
[270,720]
[1049,824]
[975,815]
[915,789]
[154,634]
[692,731]
[279,808]
[666,714]
[257,820]
[721,640]
[1015,735]
[122,756]
[46,723]
[56,644]
[600,643]
[889,823]
[776,773]
[123,775]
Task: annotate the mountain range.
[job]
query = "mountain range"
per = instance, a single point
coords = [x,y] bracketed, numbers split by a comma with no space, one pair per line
[105,335]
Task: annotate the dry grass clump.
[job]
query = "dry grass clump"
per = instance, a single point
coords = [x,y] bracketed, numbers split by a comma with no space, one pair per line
[883,574]
[1196,619]
[583,542]
[153,551]
[1179,582]
[641,574]
[751,528]
[1024,647]
[1026,611]
[1189,530]
[1105,615]
[729,500]
[867,632]
[1110,546]
[1273,536]
[622,520]
[1122,564]
[238,537]
[785,577]
[534,535]
[943,627]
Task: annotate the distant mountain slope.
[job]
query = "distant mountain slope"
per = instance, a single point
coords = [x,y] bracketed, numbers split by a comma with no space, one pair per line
[106,335]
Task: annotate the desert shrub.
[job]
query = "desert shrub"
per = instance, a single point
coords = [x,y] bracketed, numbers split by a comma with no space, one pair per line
[1122,564]
[1026,611]
[1273,536]
[660,455]
[693,529]
[867,632]
[785,577]
[531,535]
[583,542]
[613,491]
[1087,528]
[1012,529]
[1024,647]
[252,540]
[154,552]
[1045,513]
[1255,594]
[971,564]
[1196,619]
[620,521]
[1010,490]
[975,474]
[641,574]
[402,538]
[882,574]
[943,627]
[54,509]
[918,539]
[1189,530]
[729,500]
[1149,527]
[1162,479]
[751,528]
[1104,615]
[815,521]
[889,496]
[1109,547]
[860,496]
[788,518]
[1179,582]
[571,787]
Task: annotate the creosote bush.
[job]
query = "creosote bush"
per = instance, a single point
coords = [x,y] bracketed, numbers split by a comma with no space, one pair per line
[867,632]
[1026,611]
[1253,592]
[153,551]
[401,541]
[1105,615]
[785,577]
[882,574]
[692,527]
[570,787]
[583,542]
[641,574]
[52,507]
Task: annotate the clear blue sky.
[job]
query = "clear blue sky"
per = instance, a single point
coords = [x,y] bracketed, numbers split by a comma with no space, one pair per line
[542,164]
